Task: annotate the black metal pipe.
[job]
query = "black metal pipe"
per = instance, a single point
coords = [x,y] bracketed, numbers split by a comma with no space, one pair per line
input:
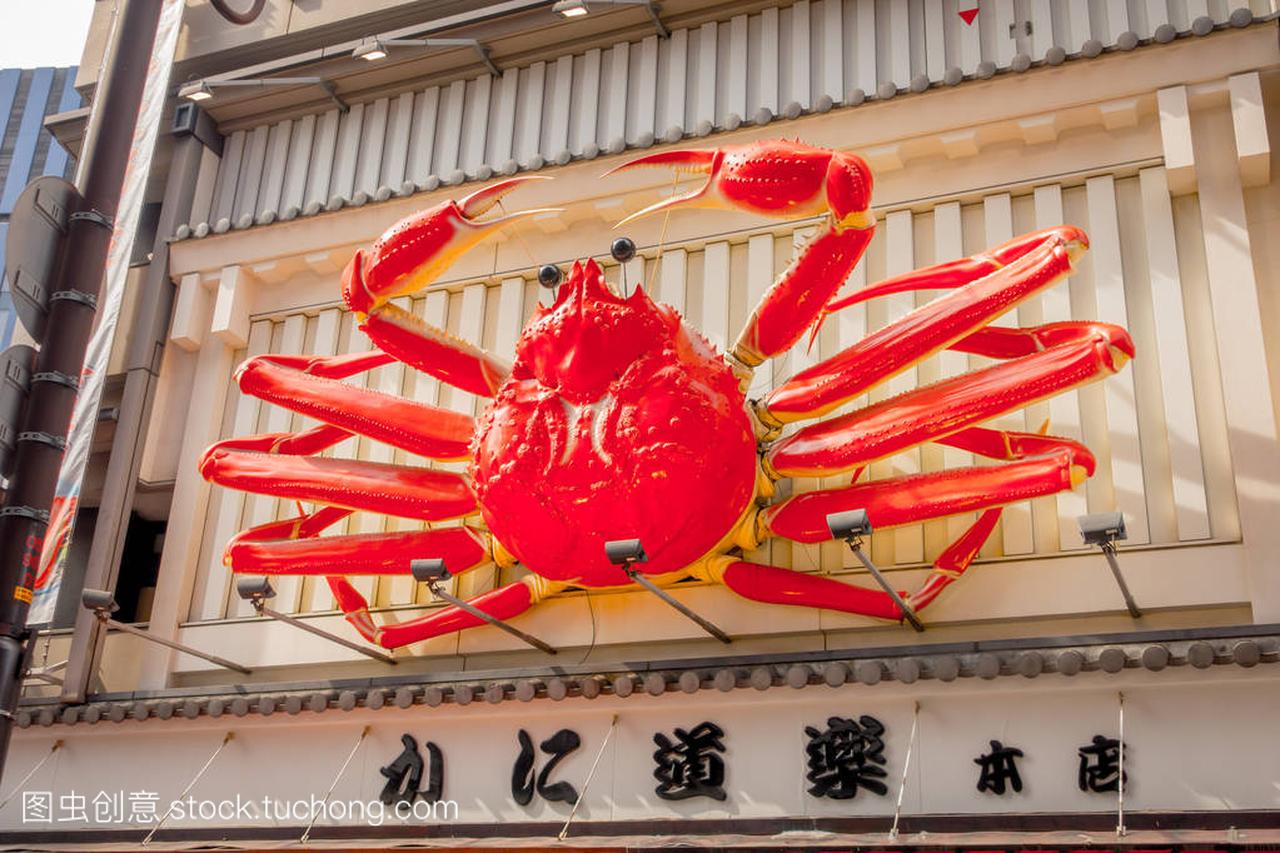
[24,519]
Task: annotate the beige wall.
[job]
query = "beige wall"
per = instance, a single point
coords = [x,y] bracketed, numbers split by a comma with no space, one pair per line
[1140,149]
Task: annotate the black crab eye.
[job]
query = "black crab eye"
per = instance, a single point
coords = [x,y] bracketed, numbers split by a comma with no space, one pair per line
[623,249]
[549,275]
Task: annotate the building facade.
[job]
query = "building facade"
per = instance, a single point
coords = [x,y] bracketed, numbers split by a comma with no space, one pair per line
[1148,125]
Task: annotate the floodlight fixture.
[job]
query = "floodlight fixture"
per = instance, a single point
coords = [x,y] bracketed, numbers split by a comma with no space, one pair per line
[257,590]
[1105,529]
[851,526]
[102,604]
[370,50]
[376,47]
[579,8]
[202,90]
[626,553]
[433,570]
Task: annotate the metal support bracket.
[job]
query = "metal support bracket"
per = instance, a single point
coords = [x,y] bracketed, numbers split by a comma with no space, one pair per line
[639,578]
[1109,551]
[147,635]
[492,620]
[855,545]
[264,610]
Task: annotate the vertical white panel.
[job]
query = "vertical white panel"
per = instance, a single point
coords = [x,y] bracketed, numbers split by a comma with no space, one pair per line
[1015,521]
[900,44]
[1005,36]
[673,94]
[671,279]
[529,115]
[470,329]
[715,294]
[502,123]
[510,317]
[373,135]
[277,164]
[705,109]
[1064,409]
[280,419]
[851,327]
[865,29]
[615,102]
[908,542]
[1174,355]
[1157,14]
[346,153]
[422,138]
[948,244]
[292,194]
[832,82]
[226,505]
[736,91]
[587,97]
[224,195]
[396,157]
[804,557]
[1122,417]
[766,64]
[1197,9]
[1117,21]
[350,448]
[557,131]
[646,100]
[316,595]
[255,156]
[935,47]
[800,52]
[475,123]
[1077,32]
[970,45]
[322,156]
[1041,28]
[759,278]
[449,137]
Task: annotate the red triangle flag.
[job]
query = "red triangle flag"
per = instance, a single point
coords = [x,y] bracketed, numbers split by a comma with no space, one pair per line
[969,14]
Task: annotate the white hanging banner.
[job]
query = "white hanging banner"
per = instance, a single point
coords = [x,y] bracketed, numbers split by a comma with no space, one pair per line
[84,417]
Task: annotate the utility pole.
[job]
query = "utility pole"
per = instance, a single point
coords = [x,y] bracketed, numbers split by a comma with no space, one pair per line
[56,377]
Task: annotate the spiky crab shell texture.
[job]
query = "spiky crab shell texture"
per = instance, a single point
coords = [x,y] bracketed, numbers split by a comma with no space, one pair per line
[617,422]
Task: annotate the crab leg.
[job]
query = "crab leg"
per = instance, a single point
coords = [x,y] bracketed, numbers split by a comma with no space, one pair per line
[784,180]
[409,256]
[774,585]
[310,386]
[921,333]
[399,490]
[1041,465]
[1078,353]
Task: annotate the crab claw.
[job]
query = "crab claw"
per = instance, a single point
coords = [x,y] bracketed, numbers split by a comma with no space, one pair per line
[418,248]
[773,178]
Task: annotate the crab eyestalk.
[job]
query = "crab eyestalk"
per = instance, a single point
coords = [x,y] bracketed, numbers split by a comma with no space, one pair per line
[783,180]
[417,249]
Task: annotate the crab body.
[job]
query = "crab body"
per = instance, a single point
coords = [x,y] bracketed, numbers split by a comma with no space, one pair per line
[617,421]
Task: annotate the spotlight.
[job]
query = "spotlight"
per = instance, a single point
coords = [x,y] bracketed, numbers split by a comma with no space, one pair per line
[626,553]
[370,50]
[851,525]
[432,571]
[198,91]
[257,590]
[102,604]
[571,8]
[1105,529]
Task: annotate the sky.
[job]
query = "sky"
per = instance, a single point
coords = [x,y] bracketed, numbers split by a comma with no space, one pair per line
[43,32]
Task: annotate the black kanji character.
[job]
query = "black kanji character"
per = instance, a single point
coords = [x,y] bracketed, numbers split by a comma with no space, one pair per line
[404,774]
[846,756]
[1100,765]
[999,769]
[558,746]
[690,766]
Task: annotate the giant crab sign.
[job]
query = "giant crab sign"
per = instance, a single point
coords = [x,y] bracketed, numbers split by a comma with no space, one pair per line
[617,420]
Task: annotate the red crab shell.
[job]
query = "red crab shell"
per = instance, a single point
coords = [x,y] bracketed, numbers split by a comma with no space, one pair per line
[617,422]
